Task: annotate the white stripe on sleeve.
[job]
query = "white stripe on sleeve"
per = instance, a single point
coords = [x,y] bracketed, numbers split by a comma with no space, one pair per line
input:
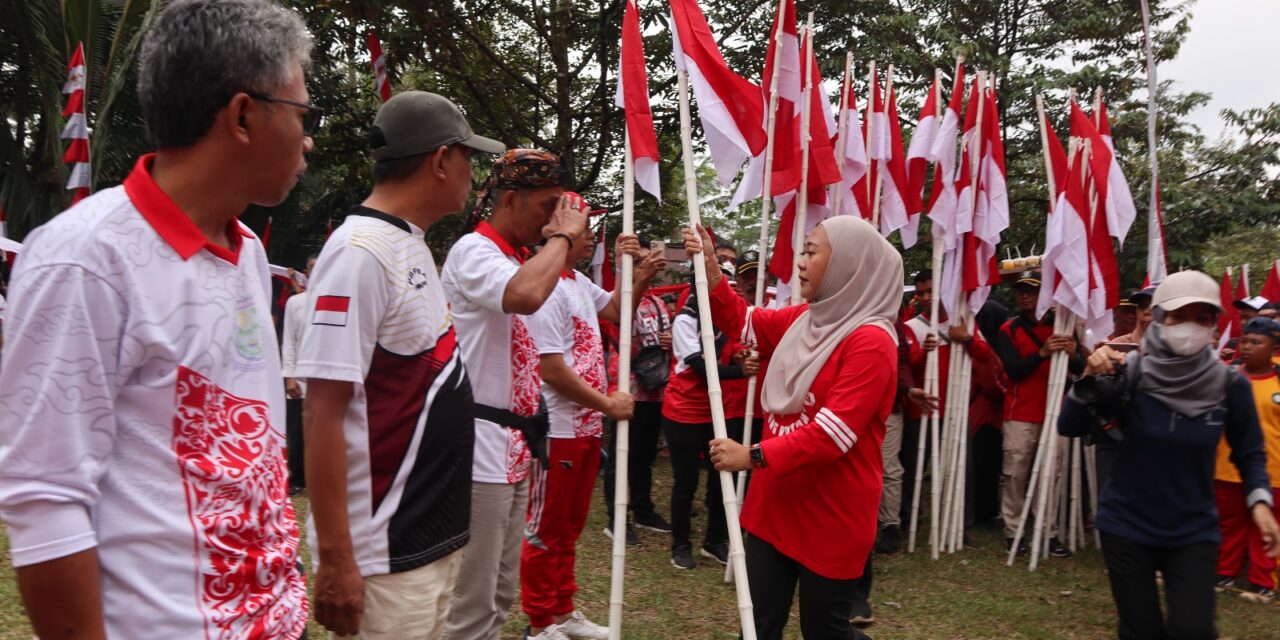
[840,433]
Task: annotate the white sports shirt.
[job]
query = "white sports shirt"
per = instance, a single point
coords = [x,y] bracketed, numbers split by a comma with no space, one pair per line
[501,358]
[142,412]
[568,324]
[379,320]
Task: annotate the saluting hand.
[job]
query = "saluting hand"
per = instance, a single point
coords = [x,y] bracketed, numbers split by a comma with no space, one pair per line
[569,218]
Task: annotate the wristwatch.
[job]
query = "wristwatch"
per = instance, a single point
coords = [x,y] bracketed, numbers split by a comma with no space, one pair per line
[757,457]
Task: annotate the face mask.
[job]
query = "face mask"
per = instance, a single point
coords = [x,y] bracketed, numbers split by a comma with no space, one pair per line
[1187,338]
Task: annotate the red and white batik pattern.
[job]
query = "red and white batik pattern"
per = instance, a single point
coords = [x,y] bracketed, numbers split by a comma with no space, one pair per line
[588,363]
[568,326]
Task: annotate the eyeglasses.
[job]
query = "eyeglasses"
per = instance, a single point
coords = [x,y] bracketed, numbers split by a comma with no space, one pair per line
[311,119]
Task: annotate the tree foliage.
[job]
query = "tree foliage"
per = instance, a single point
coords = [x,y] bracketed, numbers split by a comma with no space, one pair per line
[542,73]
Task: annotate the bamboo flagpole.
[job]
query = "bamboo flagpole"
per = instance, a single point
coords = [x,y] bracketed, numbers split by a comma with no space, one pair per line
[1155,245]
[930,366]
[623,427]
[766,200]
[736,555]
[842,130]
[802,196]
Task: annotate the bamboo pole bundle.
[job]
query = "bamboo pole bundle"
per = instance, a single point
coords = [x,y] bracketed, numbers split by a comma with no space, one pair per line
[623,428]
[1091,468]
[802,197]
[766,200]
[930,368]
[1074,541]
[736,555]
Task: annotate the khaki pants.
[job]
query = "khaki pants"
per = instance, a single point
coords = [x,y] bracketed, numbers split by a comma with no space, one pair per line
[1020,442]
[410,605]
[891,497]
[490,562]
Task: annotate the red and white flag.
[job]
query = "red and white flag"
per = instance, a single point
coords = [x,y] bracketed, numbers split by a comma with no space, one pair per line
[601,264]
[782,57]
[992,215]
[1120,209]
[633,97]
[266,234]
[955,261]
[729,106]
[1055,229]
[1271,288]
[1104,278]
[77,128]
[899,205]
[852,156]
[380,81]
[1229,319]
[922,141]
[942,198]
[875,136]
[331,310]
[1242,283]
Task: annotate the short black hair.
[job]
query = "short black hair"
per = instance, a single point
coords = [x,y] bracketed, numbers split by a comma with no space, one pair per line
[396,169]
[725,244]
[923,275]
[644,241]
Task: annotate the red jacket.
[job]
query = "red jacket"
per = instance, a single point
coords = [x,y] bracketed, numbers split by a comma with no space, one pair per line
[817,498]
[1027,372]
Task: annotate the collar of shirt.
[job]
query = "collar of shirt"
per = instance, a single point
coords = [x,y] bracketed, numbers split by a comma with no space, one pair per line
[485,229]
[395,221]
[175,227]
[568,274]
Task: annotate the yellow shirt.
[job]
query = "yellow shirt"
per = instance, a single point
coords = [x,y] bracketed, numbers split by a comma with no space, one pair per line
[1266,398]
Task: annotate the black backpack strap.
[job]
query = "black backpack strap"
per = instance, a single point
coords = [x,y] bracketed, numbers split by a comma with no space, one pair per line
[1021,323]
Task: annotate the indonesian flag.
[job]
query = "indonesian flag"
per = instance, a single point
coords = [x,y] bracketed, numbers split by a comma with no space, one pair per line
[1271,288]
[822,172]
[601,265]
[959,220]
[922,141]
[1229,319]
[1242,283]
[633,97]
[76,129]
[875,134]
[1157,253]
[729,106]
[942,198]
[784,58]
[1104,285]
[1054,229]
[1121,211]
[991,215]
[1069,249]
[266,234]
[380,81]
[852,156]
[899,205]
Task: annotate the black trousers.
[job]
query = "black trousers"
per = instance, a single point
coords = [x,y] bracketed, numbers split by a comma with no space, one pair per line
[1189,573]
[825,604]
[688,444]
[293,442]
[642,444]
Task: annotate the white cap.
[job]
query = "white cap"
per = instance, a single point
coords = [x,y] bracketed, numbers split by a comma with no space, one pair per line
[1186,287]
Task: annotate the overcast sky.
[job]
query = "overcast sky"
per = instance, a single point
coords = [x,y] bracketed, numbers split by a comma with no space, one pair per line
[1230,53]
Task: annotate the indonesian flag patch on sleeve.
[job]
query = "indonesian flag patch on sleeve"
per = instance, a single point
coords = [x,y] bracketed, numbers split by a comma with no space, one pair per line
[331,310]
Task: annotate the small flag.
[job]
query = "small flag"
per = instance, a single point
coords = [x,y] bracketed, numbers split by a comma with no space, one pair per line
[331,310]
[380,81]
[1271,289]
[266,234]
[633,97]
[76,129]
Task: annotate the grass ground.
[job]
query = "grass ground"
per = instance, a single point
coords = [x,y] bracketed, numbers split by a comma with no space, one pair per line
[970,595]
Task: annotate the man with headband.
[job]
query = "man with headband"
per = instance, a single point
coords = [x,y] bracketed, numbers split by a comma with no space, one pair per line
[491,282]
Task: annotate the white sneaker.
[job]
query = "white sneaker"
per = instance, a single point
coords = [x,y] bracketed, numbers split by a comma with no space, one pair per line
[578,627]
[553,632]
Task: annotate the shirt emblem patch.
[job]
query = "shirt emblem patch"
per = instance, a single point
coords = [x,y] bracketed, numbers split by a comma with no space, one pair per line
[331,310]
[248,337]
[417,278]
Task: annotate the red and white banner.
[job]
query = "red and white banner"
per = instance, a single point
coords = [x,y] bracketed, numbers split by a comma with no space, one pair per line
[942,198]
[77,128]
[922,141]
[899,206]
[729,106]
[380,81]
[781,57]
[1055,232]
[632,96]
[1065,269]
[1120,209]
[852,156]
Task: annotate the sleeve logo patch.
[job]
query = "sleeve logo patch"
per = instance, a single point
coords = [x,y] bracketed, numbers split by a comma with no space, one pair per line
[331,310]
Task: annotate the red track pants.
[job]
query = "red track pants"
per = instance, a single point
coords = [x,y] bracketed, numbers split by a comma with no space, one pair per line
[1239,532]
[559,500]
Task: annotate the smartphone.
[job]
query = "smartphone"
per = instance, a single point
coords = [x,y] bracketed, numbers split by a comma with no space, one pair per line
[658,245]
[1122,347]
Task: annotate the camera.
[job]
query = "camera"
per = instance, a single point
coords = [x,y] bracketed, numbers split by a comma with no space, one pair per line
[1104,396]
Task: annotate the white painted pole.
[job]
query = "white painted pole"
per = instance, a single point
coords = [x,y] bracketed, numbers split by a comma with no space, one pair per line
[802,197]
[714,394]
[623,427]
[762,250]
[1155,248]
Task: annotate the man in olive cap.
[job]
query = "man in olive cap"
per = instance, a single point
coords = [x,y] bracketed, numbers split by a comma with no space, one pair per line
[389,413]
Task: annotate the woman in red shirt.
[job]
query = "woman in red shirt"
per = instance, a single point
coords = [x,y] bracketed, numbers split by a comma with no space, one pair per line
[811,508]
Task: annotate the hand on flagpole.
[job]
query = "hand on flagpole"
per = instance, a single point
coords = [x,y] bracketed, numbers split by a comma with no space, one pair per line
[926,401]
[701,243]
[626,243]
[730,455]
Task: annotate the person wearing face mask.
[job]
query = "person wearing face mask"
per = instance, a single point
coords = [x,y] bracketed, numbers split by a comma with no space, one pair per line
[1173,400]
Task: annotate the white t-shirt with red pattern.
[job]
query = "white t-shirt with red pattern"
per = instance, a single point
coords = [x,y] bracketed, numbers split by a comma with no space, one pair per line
[142,414]
[568,324]
[498,350]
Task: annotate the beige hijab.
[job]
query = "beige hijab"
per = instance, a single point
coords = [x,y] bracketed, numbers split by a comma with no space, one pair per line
[862,286]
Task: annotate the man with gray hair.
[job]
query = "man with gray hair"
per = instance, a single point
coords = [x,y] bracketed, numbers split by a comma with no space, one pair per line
[142,470]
